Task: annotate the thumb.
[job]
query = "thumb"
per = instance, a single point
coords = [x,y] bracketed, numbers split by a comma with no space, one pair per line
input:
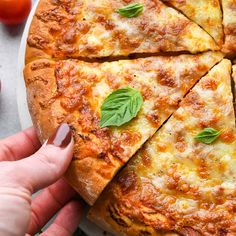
[49,163]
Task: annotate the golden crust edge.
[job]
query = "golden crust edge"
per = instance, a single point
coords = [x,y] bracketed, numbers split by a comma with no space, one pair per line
[90,189]
[38,28]
[114,228]
[41,88]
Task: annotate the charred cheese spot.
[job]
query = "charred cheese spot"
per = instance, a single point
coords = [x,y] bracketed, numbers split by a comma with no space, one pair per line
[108,24]
[164,102]
[147,92]
[208,122]
[130,138]
[82,27]
[112,82]
[127,182]
[203,168]
[180,143]
[161,147]
[70,36]
[193,101]
[119,218]
[231,30]
[146,160]
[165,78]
[228,136]
[210,84]
[154,119]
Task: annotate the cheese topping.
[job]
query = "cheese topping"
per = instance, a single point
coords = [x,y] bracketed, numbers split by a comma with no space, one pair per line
[94,29]
[206,13]
[83,87]
[189,183]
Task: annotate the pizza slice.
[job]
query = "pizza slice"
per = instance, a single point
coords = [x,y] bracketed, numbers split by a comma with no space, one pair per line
[183,180]
[229,22]
[206,13]
[73,91]
[95,28]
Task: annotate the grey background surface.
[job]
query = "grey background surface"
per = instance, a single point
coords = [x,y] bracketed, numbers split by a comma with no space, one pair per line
[10,38]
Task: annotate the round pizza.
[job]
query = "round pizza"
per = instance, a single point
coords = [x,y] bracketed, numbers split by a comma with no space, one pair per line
[147,88]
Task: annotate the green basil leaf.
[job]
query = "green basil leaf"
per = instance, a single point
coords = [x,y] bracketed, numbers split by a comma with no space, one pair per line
[131,10]
[208,135]
[120,107]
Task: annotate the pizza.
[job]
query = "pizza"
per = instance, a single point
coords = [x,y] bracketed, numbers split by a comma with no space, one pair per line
[91,29]
[147,89]
[176,182]
[76,90]
[229,22]
[206,13]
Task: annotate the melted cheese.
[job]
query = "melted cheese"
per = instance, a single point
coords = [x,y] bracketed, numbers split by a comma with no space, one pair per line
[162,81]
[94,29]
[206,13]
[190,184]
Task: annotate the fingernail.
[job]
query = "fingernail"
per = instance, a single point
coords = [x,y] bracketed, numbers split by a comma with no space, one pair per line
[61,137]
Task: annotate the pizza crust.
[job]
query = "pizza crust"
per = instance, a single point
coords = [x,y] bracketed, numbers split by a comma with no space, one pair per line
[173,182]
[87,30]
[72,91]
[40,85]
[52,40]
[38,36]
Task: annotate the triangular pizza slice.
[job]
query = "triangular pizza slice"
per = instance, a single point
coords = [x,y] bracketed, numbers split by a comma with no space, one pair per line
[206,13]
[229,23]
[183,180]
[94,28]
[73,91]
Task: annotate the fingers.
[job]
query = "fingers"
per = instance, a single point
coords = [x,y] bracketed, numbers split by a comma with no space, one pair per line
[49,163]
[47,203]
[44,167]
[19,145]
[67,220]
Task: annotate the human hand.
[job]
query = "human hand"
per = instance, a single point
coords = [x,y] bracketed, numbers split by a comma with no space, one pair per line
[20,177]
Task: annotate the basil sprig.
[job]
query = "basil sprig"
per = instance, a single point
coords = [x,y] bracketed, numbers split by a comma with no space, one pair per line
[120,107]
[208,135]
[131,10]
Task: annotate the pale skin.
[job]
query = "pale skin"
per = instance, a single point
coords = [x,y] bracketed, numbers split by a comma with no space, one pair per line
[25,168]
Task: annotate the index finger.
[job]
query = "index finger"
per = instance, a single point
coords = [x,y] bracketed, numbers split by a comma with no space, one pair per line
[20,145]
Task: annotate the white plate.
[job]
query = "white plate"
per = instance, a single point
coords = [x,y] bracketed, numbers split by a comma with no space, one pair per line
[88,227]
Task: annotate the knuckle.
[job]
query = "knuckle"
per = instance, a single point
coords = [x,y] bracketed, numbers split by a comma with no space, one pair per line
[6,152]
[30,140]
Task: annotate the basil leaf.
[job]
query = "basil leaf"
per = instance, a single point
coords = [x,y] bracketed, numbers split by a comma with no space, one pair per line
[120,107]
[208,135]
[131,10]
